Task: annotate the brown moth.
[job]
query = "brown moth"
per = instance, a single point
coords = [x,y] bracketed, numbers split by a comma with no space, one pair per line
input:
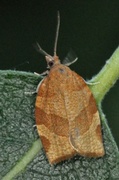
[66,114]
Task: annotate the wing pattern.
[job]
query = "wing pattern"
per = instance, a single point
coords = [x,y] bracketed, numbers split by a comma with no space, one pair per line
[66,116]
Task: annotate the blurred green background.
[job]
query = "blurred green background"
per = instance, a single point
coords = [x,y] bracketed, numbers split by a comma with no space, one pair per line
[89,27]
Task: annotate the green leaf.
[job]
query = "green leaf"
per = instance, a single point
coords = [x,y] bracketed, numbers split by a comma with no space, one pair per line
[21,153]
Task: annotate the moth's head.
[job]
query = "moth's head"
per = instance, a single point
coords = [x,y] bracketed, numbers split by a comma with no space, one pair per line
[51,61]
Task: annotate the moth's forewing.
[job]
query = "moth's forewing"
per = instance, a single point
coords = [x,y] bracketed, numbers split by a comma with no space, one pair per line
[67,118]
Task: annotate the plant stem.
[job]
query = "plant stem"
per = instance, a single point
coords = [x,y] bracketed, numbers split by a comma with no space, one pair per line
[106,77]
[24,161]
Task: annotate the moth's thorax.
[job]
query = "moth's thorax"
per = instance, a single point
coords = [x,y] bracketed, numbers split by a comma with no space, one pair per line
[60,72]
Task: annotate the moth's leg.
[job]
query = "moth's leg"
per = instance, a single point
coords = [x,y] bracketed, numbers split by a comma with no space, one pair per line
[36,91]
[30,93]
[92,83]
[42,74]
[69,63]
[39,85]
[70,58]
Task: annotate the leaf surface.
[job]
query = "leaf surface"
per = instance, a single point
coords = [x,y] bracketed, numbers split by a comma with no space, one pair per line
[21,153]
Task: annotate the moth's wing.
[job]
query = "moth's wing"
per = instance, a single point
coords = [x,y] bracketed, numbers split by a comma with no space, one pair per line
[52,122]
[84,122]
[66,116]
[70,58]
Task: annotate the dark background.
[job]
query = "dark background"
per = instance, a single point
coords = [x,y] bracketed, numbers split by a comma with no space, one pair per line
[90,28]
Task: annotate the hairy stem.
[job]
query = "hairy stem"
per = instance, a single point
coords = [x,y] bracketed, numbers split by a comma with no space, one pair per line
[106,77]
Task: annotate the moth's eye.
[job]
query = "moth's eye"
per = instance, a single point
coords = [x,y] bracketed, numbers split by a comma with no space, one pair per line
[51,63]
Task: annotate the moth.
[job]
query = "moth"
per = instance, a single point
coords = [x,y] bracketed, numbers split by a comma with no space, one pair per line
[67,117]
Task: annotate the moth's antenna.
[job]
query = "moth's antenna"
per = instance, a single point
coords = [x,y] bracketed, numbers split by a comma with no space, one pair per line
[57,33]
[39,49]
